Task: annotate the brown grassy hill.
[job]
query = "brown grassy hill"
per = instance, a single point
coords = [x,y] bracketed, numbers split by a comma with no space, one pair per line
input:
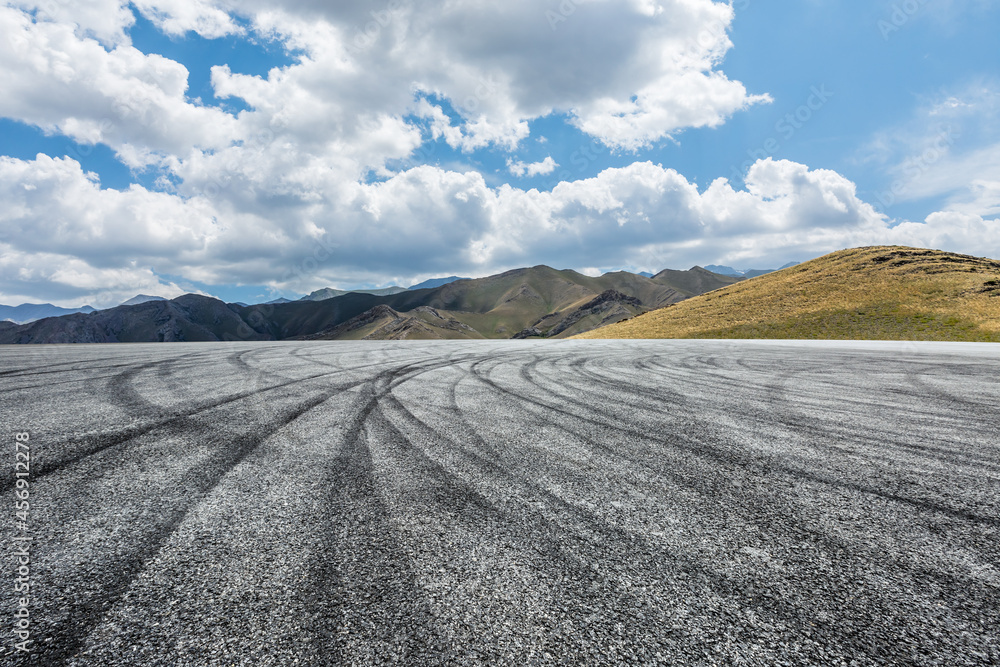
[875,293]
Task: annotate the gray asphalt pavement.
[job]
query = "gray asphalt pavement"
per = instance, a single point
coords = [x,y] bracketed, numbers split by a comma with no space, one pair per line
[507,503]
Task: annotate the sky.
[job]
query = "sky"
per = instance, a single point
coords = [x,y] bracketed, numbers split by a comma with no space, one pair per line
[260,149]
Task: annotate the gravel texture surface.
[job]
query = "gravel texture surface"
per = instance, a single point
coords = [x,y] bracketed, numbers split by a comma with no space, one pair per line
[506,503]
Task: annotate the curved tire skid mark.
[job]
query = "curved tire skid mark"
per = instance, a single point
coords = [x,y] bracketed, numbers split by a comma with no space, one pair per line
[95,444]
[834,546]
[357,520]
[45,385]
[122,392]
[820,435]
[580,539]
[56,367]
[71,633]
[705,449]
[572,562]
[951,400]
[238,360]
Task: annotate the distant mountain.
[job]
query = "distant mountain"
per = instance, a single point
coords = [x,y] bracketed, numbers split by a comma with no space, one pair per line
[280,300]
[536,301]
[435,282]
[753,273]
[695,280]
[873,293]
[330,293]
[187,318]
[723,270]
[749,273]
[645,274]
[29,312]
[141,298]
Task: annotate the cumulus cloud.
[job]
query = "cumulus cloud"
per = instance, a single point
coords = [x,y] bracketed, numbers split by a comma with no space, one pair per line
[520,169]
[133,102]
[104,20]
[342,109]
[299,191]
[68,281]
[177,17]
[428,220]
[51,205]
[629,73]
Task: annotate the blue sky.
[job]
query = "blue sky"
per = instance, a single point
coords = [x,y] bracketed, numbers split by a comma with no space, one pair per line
[269,148]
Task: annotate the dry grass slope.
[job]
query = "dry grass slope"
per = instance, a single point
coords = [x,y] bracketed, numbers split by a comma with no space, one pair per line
[874,293]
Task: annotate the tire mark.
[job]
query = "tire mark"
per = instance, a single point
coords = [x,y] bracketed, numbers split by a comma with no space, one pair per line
[358,521]
[70,634]
[703,449]
[91,445]
[569,551]
[948,582]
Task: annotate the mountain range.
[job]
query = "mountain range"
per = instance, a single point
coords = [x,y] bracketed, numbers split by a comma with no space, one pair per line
[747,273]
[29,312]
[523,303]
[331,293]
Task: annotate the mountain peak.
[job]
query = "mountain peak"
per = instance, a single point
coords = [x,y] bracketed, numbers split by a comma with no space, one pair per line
[141,298]
[331,293]
[436,282]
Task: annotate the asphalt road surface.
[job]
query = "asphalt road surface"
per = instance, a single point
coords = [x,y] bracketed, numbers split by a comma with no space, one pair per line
[509,503]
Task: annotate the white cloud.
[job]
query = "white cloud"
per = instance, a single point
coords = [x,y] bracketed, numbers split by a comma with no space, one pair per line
[343,109]
[648,70]
[950,148]
[68,281]
[133,102]
[428,220]
[52,206]
[105,20]
[177,17]
[280,194]
[521,169]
